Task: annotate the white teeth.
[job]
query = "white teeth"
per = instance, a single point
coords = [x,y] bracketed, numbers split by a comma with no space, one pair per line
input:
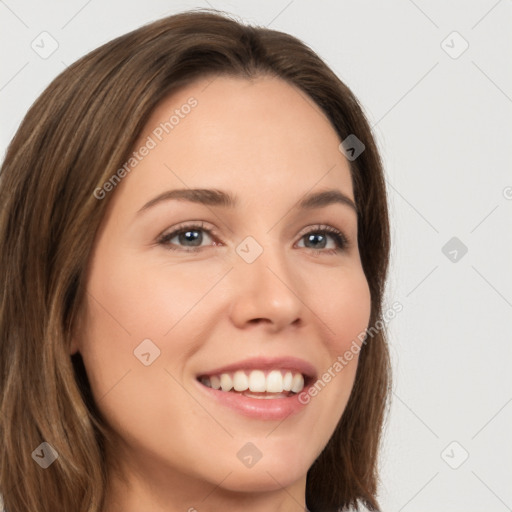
[287,381]
[226,383]
[215,382]
[240,381]
[297,383]
[274,382]
[256,381]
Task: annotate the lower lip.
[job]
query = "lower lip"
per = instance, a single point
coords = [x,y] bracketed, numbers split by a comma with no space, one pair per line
[256,408]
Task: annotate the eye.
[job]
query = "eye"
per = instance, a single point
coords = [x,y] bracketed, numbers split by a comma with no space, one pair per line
[189,235]
[190,238]
[319,235]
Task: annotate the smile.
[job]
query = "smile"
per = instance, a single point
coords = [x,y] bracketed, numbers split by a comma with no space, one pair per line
[261,388]
[257,383]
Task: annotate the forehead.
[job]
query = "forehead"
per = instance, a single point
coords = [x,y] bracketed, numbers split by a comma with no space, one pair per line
[259,137]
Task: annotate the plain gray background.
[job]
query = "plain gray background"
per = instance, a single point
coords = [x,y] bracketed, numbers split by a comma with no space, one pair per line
[435,80]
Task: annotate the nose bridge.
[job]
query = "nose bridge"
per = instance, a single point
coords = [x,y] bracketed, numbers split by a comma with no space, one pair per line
[266,285]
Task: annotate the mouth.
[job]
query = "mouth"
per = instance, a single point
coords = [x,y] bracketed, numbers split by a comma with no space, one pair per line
[260,388]
[258,383]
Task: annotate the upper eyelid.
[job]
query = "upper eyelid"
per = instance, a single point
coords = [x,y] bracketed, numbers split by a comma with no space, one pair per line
[200,225]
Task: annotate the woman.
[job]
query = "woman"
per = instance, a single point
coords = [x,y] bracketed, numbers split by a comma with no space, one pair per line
[195,241]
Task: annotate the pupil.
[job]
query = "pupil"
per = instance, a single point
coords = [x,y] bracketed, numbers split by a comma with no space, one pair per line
[315,236]
[193,236]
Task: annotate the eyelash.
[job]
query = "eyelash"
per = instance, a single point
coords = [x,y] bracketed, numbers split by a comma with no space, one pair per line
[340,239]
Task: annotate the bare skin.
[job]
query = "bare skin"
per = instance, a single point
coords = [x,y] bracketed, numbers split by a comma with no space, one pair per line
[268,144]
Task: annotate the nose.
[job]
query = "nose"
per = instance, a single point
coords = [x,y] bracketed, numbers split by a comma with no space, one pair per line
[266,291]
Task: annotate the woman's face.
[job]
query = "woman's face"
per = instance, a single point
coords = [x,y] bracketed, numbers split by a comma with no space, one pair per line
[189,287]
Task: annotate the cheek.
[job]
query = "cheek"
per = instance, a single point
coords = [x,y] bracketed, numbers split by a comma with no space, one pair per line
[346,310]
[343,313]
[343,310]
[128,304]
[149,298]
[132,299]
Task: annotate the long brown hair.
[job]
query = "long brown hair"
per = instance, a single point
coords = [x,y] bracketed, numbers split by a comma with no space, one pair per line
[76,135]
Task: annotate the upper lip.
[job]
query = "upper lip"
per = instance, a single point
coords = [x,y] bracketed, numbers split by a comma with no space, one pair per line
[267,363]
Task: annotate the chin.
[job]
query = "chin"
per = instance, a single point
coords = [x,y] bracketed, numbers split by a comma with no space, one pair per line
[274,470]
[262,479]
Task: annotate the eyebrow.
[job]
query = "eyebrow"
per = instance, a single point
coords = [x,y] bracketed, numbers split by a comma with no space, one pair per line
[215,197]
